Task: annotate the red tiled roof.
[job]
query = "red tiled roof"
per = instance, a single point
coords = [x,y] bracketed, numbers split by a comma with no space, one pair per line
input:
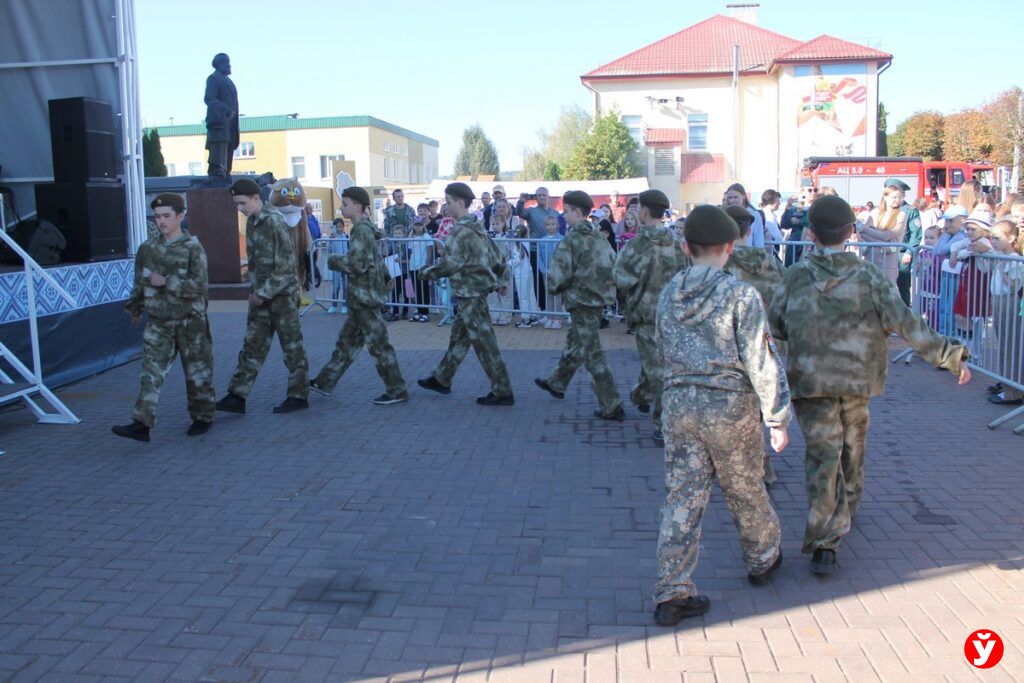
[664,136]
[707,48]
[702,168]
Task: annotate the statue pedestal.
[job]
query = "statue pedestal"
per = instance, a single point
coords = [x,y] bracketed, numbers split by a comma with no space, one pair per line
[213,218]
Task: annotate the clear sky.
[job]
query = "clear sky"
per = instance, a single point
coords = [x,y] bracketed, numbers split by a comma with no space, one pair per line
[438,67]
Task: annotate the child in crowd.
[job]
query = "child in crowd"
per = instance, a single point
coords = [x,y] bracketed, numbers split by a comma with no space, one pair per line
[930,265]
[545,250]
[522,279]
[501,302]
[1006,281]
[971,306]
[836,311]
[953,234]
[398,268]
[421,255]
[339,280]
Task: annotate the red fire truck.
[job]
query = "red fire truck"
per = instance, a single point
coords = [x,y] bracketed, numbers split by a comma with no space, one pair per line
[859,180]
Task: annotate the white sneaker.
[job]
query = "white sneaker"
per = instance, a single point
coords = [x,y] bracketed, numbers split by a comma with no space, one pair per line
[332,309]
[547,324]
[555,325]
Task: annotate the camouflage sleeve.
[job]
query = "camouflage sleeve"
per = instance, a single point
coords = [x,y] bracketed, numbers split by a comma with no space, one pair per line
[137,299]
[627,269]
[284,264]
[560,267]
[362,252]
[777,311]
[193,286]
[452,260]
[761,359]
[896,316]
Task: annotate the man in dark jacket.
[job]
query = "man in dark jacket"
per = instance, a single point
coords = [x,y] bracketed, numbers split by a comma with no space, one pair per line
[221,118]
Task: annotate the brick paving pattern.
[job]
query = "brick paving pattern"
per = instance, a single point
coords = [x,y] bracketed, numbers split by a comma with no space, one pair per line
[438,540]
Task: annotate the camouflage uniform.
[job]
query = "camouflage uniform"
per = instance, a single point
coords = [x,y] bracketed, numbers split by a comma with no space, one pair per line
[721,375]
[272,276]
[367,293]
[581,272]
[763,271]
[836,311]
[475,267]
[176,324]
[642,269]
[391,219]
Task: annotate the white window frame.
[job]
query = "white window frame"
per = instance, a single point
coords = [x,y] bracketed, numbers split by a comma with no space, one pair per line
[694,123]
[318,208]
[296,162]
[245,150]
[172,169]
[195,168]
[325,163]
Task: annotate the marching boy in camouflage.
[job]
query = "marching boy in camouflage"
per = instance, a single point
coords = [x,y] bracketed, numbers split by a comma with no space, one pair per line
[581,271]
[273,304]
[836,311]
[763,272]
[642,269]
[475,266]
[170,286]
[722,377]
[367,293]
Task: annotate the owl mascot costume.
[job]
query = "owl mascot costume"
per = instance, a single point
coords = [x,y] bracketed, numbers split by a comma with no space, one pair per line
[288,197]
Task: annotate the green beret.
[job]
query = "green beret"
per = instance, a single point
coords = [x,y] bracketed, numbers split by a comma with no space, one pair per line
[654,199]
[830,211]
[738,214]
[460,191]
[897,183]
[357,194]
[245,186]
[175,201]
[709,225]
[580,199]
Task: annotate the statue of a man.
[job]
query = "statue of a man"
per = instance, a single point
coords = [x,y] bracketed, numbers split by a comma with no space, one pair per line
[221,118]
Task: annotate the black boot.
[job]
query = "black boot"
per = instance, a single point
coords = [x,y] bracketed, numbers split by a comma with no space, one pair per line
[671,612]
[823,562]
[232,403]
[491,400]
[136,430]
[430,382]
[763,577]
[618,415]
[546,386]
[198,427]
[291,404]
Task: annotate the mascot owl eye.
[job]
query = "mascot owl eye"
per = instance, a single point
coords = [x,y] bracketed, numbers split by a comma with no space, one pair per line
[284,191]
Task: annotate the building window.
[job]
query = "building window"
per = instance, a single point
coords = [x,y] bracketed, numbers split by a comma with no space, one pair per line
[635,125]
[387,168]
[384,145]
[245,150]
[172,170]
[664,161]
[298,167]
[698,137]
[195,168]
[325,163]
[318,208]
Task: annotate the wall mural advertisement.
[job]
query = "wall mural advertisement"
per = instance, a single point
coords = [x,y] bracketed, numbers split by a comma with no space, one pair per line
[832,111]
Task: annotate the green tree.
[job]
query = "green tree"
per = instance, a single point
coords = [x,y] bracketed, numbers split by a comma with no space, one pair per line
[556,145]
[881,138]
[534,165]
[477,156]
[552,171]
[1005,114]
[966,136]
[894,141]
[608,152]
[922,135]
[152,158]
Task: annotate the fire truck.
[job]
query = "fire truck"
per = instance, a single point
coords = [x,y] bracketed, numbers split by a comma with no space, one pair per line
[859,180]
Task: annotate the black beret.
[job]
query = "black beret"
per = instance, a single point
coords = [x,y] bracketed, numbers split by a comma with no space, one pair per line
[460,191]
[654,199]
[897,183]
[830,211]
[357,194]
[709,225]
[245,186]
[580,199]
[738,213]
[175,201]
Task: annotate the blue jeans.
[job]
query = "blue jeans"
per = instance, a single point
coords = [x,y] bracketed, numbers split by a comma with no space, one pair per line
[949,284]
[338,287]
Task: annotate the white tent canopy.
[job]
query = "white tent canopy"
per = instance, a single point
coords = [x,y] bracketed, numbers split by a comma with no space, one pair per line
[52,49]
[624,186]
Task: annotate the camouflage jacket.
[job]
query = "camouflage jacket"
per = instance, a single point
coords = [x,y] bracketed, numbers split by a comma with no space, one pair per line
[367,276]
[713,332]
[391,218]
[581,269]
[836,311]
[183,263]
[268,246]
[757,268]
[643,268]
[472,261]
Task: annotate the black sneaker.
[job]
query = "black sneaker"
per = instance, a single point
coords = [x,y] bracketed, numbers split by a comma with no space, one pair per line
[136,430]
[318,389]
[618,415]
[762,577]
[430,382]
[823,562]
[1001,400]
[659,437]
[291,404]
[543,384]
[385,400]
[605,323]
[996,388]
[198,427]
[673,611]
[491,400]
[232,403]
[644,408]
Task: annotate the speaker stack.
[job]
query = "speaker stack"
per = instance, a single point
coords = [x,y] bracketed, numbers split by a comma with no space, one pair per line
[86,201]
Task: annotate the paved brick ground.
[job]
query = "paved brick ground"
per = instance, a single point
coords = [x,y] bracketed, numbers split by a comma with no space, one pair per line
[444,541]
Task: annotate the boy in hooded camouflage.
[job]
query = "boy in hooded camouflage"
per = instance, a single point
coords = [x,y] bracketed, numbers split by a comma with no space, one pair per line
[273,304]
[475,266]
[170,286]
[722,376]
[763,271]
[581,271]
[837,311]
[367,293]
[642,269]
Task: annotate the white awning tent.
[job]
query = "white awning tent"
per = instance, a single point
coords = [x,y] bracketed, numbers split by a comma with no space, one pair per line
[53,49]
[601,188]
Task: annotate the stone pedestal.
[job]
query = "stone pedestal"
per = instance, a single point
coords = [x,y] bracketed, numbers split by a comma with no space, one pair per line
[213,218]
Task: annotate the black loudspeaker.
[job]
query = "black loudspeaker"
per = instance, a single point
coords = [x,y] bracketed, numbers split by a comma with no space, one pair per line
[91,216]
[82,137]
[44,243]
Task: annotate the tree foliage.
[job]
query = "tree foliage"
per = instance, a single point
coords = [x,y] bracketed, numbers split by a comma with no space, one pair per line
[607,152]
[894,141]
[152,158]
[922,135]
[966,136]
[881,138]
[556,145]
[477,156]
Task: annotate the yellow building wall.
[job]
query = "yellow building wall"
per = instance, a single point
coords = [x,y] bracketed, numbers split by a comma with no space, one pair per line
[270,148]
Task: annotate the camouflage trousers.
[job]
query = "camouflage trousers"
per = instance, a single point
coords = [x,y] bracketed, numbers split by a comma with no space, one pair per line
[712,434]
[647,390]
[363,326]
[280,315]
[583,347]
[472,327]
[835,431]
[162,340]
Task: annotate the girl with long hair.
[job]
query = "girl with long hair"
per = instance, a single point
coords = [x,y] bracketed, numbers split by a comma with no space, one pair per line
[885,224]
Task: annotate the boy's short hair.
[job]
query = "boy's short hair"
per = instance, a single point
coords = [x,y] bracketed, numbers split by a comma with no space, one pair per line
[422,205]
[770,197]
[831,219]
[742,217]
